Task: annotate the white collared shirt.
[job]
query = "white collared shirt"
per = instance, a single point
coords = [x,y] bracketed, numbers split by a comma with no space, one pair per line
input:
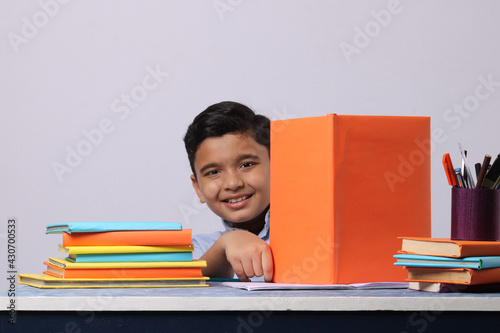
[202,242]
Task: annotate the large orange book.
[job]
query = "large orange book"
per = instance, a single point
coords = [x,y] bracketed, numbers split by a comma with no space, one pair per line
[446,247]
[454,275]
[140,237]
[343,188]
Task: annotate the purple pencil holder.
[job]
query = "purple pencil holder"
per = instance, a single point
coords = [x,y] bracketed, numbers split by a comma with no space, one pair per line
[475,214]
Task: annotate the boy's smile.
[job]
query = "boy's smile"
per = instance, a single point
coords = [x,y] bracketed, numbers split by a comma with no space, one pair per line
[232,177]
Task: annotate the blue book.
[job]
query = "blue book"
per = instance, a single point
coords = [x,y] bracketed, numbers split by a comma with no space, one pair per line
[131,257]
[57,228]
[416,260]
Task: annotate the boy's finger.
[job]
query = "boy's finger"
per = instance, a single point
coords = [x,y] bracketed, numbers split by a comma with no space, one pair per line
[240,271]
[248,268]
[257,266]
[267,265]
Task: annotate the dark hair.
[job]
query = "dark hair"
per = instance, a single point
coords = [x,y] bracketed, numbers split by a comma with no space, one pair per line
[225,118]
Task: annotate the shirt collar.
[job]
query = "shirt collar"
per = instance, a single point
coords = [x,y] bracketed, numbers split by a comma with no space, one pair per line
[263,234]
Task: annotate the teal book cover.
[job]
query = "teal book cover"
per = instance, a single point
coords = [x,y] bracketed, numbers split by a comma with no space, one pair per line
[75,227]
[416,260]
[131,257]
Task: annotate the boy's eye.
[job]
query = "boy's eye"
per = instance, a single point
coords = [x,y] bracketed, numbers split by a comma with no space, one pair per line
[247,164]
[211,173]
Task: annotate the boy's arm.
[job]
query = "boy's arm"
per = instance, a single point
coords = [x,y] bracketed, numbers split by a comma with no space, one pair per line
[239,252]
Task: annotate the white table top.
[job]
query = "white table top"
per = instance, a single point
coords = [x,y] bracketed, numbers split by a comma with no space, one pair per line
[219,298]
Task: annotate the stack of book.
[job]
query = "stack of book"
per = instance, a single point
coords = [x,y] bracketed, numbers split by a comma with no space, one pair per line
[121,254]
[445,265]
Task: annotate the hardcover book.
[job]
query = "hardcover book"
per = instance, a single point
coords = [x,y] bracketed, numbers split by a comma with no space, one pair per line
[343,188]
[141,237]
[416,260]
[64,269]
[45,281]
[131,257]
[72,227]
[454,275]
[440,287]
[123,249]
[449,248]
[75,265]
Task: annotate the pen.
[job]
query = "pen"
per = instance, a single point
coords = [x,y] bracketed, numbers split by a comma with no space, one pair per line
[448,169]
[466,172]
[223,280]
[458,173]
[492,175]
[463,174]
[478,169]
[497,184]
[484,169]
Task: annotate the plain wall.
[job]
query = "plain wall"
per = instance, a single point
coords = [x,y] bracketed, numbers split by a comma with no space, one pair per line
[118,82]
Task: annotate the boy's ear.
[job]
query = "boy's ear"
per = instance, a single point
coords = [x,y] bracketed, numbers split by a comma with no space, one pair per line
[196,187]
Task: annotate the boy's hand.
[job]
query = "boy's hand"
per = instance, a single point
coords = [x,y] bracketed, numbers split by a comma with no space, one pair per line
[248,255]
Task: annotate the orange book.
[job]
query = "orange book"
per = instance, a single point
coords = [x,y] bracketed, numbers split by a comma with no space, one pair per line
[343,188]
[108,273]
[454,275]
[141,237]
[446,247]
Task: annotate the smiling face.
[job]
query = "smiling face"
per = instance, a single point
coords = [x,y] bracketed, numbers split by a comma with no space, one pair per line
[232,177]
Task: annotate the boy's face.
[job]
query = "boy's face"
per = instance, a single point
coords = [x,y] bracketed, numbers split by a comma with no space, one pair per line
[233,177]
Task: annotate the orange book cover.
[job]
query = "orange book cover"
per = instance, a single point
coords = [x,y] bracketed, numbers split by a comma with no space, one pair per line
[454,275]
[446,247]
[142,237]
[105,273]
[344,188]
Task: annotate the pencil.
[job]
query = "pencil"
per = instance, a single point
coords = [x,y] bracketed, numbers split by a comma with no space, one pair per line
[493,174]
[484,169]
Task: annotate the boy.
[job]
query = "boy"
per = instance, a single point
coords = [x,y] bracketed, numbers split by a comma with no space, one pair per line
[228,147]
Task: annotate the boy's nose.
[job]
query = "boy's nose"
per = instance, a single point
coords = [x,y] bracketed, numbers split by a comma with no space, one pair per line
[232,181]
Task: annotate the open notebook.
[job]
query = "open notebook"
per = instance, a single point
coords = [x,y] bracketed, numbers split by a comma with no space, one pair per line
[253,286]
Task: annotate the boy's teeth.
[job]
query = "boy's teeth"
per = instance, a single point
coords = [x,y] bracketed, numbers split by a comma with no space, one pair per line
[237,199]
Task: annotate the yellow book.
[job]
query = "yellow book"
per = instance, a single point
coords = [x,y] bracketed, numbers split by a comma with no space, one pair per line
[124,249]
[152,264]
[49,282]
